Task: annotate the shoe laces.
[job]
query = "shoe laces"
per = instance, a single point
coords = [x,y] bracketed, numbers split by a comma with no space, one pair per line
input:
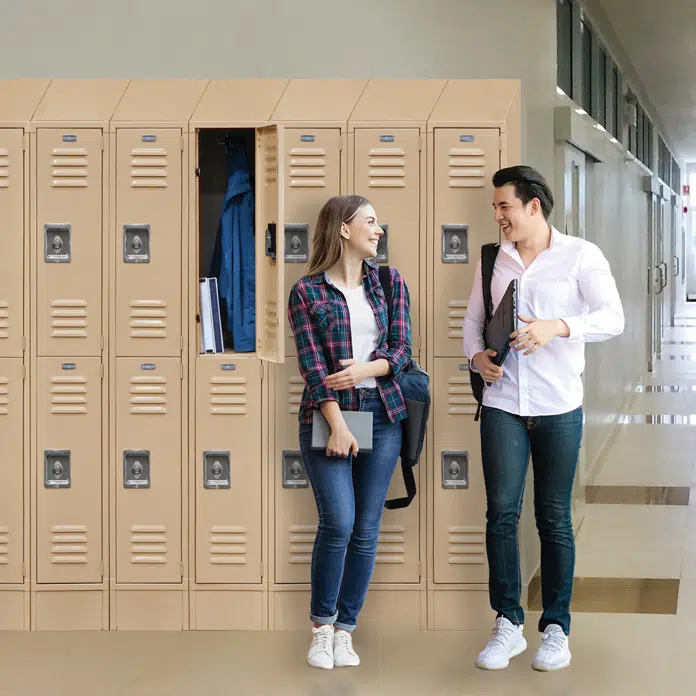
[501,635]
[554,641]
[344,641]
[323,640]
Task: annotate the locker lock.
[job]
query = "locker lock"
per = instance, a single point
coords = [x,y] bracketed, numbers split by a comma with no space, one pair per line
[136,469]
[57,243]
[297,243]
[455,244]
[455,469]
[136,243]
[294,474]
[57,469]
[271,240]
[216,469]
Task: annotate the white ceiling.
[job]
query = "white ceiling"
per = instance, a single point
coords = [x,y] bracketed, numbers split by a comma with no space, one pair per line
[659,38]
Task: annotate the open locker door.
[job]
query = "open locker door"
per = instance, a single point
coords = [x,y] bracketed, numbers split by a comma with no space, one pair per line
[270,257]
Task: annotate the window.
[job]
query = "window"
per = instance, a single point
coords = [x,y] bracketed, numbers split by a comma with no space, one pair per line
[676,177]
[618,103]
[650,161]
[564,38]
[632,129]
[640,137]
[602,88]
[647,141]
[587,82]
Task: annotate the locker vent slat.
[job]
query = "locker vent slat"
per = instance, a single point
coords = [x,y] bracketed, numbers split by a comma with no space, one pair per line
[466,167]
[387,167]
[228,545]
[4,545]
[307,167]
[4,168]
[149,167]
[466,545]
[228,396]
[391,545]
[301,541]
[148,319]
[460,397]
[456,313]
[149,544]
[4,396]
[69,395]
[271,164]
[69,545]
[295,390]
[69,167]
[4,319]
[148,395]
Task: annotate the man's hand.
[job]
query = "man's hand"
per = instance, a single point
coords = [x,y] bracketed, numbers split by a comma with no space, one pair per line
[354,373]
[486,367]
[537,333]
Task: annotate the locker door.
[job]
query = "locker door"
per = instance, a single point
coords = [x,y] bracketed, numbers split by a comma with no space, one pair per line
[11,471]
[228,471]
[148,471]
[459,525]
[465,161]
[270,266]
[69,241]
[69,471]
[387,172]
[296,512]
[148,242]
[12,257]
[312,176]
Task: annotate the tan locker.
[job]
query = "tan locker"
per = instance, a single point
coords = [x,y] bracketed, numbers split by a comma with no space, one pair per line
[459,521]
[69,241]
[148,470]
[387,168]
[312,161]
[68,471]
[12,471]
[12,224]
[148,241]
[228,471]
[465,161]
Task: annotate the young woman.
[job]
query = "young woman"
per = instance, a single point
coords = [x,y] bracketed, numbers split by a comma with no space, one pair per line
[350,361]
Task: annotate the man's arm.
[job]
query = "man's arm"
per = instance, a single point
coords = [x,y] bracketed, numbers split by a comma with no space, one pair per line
[474,320]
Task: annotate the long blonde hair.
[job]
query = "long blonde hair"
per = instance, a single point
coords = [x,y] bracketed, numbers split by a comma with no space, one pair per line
[327,245]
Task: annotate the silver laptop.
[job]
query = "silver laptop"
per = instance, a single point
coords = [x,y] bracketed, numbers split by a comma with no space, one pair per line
[359,423]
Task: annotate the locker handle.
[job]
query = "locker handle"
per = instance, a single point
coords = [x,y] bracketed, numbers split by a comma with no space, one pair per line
[271,240]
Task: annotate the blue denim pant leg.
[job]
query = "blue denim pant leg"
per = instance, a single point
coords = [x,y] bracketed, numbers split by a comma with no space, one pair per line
[350,494]
[554,443]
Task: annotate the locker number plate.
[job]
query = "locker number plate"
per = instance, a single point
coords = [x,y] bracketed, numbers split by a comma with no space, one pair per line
[136,243]
[216,469]
[136,469]
[57,243]
[57,469]
[455,244]
[296,243]
[294,474]
[455,469]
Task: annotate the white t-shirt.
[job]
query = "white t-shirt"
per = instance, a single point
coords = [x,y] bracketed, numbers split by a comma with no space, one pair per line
[363,329]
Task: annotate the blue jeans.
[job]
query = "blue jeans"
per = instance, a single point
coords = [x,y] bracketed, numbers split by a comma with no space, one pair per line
[554,443]
[350,495]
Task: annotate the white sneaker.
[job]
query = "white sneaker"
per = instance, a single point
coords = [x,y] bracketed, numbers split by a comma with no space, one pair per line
[505,642]
[344,655]
[321,650]
[554,652]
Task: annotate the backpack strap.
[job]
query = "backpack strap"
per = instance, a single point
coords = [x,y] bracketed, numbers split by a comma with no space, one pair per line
[385,281]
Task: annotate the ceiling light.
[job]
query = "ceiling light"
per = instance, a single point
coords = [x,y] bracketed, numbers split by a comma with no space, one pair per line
[582,112]
[561,92]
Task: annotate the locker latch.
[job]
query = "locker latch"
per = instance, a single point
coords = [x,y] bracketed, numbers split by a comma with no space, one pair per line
[294,473]
[455,244]
[296,243]
[271,240]
[57,469]
[383,246]
[57,243]
[455,469]
[136,469]
[136,243]
[216,469]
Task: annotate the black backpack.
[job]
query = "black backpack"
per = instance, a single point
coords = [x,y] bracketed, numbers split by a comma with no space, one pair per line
[415,387]
[489,253]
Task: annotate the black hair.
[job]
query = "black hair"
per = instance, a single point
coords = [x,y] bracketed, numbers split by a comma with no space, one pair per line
[528,183]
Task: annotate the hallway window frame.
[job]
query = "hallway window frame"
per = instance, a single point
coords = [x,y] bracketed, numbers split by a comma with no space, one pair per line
[565,46]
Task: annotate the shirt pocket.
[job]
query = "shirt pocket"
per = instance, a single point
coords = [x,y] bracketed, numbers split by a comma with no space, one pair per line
[323,317]
[552,298]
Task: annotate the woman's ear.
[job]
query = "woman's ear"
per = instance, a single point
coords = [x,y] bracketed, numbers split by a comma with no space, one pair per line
[345,233]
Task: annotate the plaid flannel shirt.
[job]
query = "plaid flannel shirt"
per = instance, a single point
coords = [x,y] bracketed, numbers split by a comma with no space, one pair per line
[320,322]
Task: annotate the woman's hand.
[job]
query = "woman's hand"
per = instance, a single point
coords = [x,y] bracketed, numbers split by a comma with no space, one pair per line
[354,373]
[341,443]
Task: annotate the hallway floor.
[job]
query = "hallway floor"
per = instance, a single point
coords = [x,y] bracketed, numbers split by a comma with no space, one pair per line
[622,543]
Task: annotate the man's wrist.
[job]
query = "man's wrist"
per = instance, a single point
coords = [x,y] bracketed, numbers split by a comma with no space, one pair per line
[563,330]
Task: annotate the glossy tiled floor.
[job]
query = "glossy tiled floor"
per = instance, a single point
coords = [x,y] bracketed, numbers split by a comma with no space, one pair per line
[613,654]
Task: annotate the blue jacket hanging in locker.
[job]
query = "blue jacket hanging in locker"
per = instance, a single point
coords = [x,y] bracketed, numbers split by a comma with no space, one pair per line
[234,256]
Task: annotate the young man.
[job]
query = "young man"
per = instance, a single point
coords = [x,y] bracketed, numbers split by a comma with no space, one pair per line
[567,297]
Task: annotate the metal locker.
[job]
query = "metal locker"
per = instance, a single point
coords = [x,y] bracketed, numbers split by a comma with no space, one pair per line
[312,161]
[11,471]
[12,256]
[459,511]
[465,161]
[387,168]
[68,241]
[68,461]
[148,242]
[228,475]
[148,470]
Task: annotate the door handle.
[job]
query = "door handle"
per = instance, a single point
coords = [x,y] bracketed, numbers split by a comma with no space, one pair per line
[677,270]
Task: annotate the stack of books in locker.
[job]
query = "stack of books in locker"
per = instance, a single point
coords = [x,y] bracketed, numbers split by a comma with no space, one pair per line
[211,324]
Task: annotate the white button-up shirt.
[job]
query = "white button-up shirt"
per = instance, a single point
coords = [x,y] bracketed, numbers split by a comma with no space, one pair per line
[571,280]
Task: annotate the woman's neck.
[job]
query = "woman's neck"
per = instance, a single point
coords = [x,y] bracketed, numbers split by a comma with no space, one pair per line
[347,273]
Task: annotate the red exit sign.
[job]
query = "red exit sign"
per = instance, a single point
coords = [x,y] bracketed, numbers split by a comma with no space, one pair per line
[687,189]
